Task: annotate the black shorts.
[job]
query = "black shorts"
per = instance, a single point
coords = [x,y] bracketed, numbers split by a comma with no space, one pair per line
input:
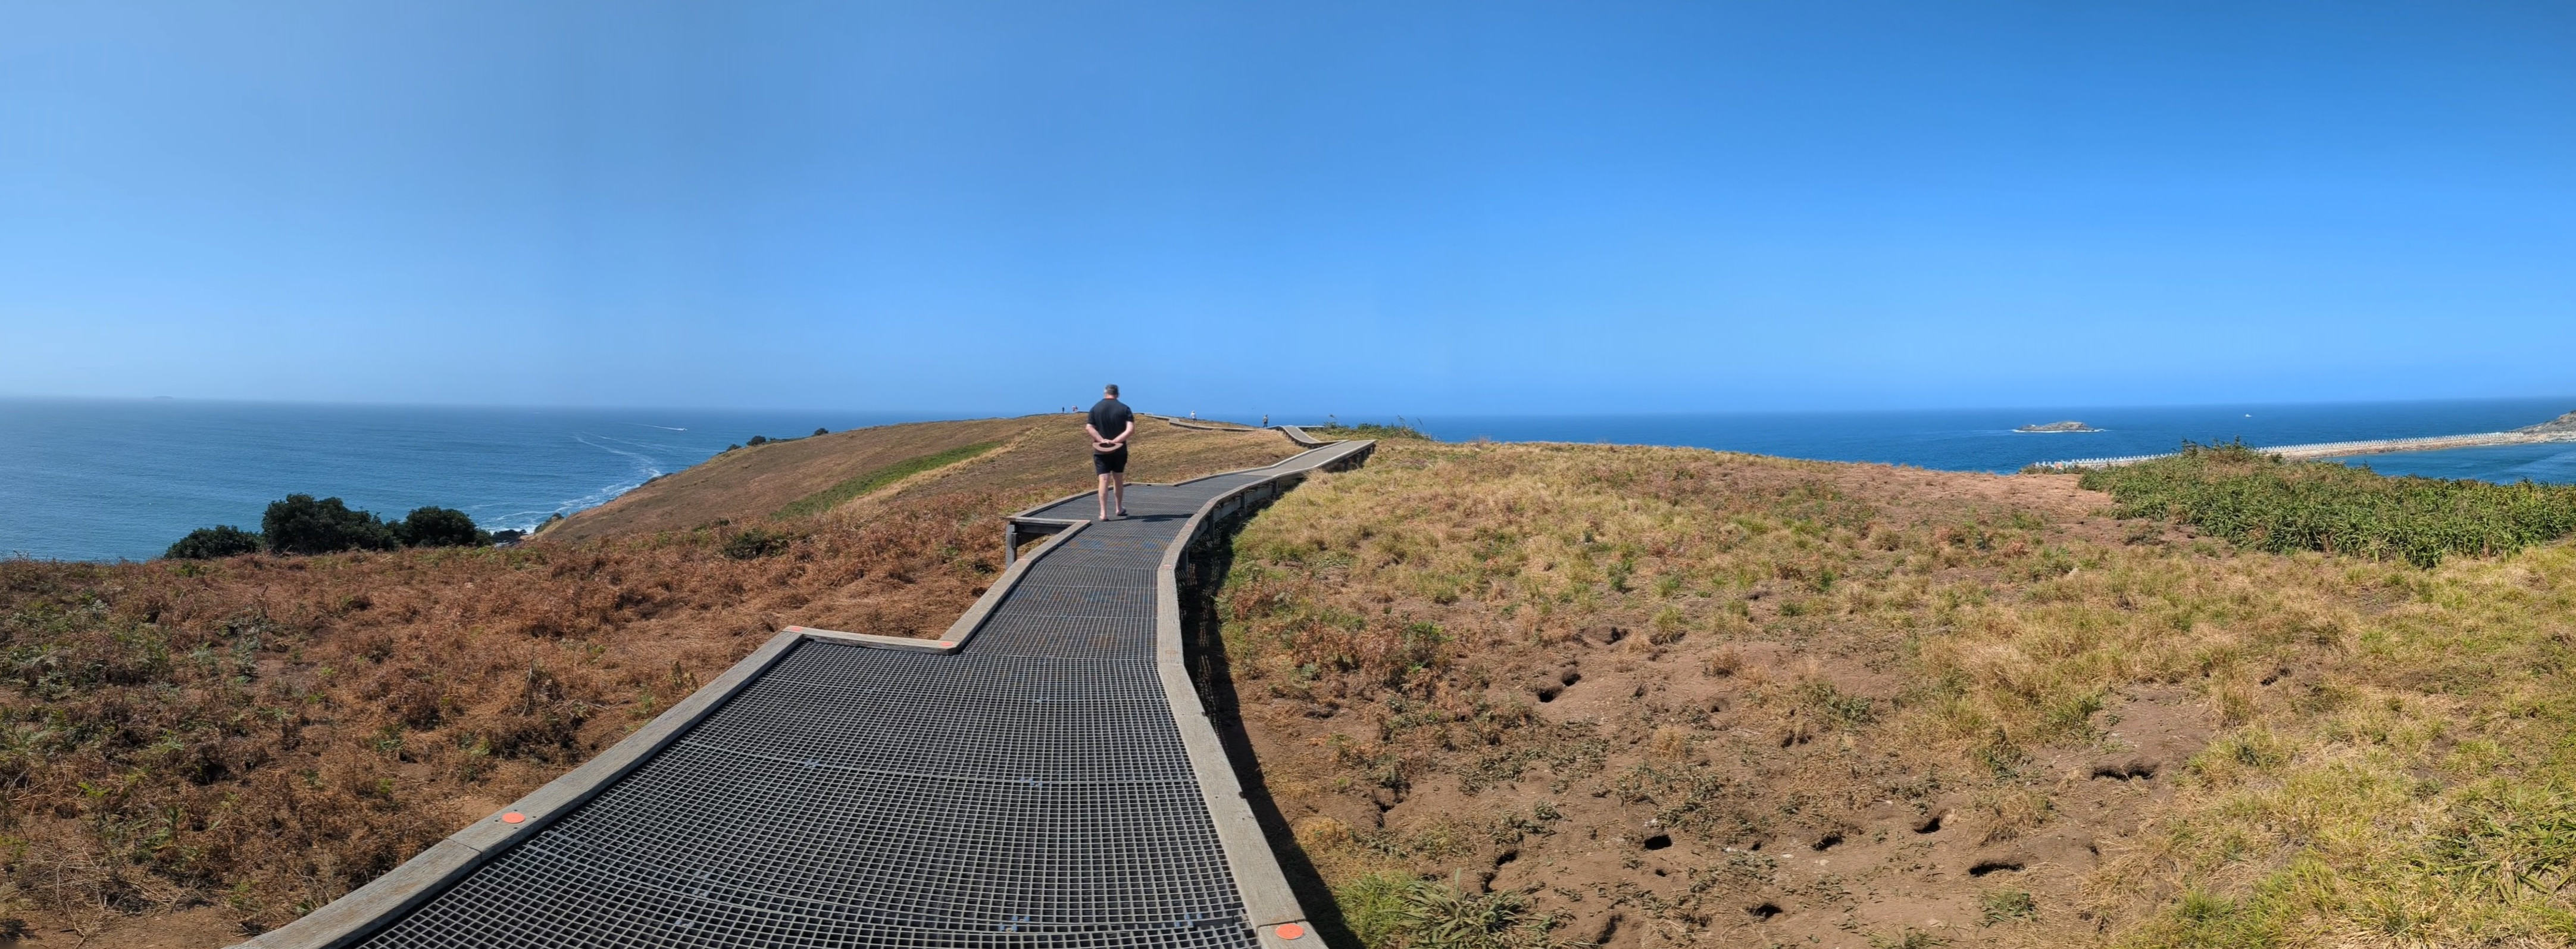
[1114,462]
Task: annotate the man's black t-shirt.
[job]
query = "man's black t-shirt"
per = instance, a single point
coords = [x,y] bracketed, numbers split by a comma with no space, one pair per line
[1110,417]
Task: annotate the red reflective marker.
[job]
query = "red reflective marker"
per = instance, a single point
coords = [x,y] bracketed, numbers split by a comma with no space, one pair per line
[1290,931]
[514,817]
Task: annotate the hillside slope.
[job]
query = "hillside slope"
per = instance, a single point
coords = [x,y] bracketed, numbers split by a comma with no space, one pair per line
[195,750]
[1654,698]
[1043,454]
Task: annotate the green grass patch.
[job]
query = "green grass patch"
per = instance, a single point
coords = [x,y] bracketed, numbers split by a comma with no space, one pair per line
[831,497]
[1362,430]
[2263,502]
[1393,911]
[2004,906]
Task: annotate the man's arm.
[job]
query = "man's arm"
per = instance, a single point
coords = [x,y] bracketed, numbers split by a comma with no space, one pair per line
[1130,430]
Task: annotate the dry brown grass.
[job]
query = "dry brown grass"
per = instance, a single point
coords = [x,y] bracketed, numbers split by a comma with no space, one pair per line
[746,484]
[259,735]
[1857,702]
[1040,456]
[1054,459]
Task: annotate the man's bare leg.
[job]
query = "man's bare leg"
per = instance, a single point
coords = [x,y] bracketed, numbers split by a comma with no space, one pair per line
[1105,479]
[1119,478]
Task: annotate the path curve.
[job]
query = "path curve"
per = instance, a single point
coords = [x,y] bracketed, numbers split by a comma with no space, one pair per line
[1041,776]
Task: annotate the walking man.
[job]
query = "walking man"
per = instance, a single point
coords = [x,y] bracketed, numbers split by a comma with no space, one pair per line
[1109,452]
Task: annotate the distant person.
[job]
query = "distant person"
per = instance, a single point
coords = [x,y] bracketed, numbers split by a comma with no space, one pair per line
[1109,452]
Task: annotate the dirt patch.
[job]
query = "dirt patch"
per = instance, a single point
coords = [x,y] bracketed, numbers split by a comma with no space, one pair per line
[203,927]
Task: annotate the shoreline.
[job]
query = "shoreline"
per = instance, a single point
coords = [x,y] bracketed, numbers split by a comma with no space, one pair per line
[2376,446]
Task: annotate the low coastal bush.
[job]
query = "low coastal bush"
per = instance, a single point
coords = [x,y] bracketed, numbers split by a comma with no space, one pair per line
[301,525]
[208,543]
[2267,503]
[298,524]
[756,543]
[440,527]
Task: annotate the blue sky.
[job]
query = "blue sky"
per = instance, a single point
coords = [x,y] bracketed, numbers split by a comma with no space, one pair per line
[1234,207]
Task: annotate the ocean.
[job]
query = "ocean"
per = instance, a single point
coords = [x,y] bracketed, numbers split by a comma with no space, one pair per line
[111,479]
[1984,439]
[108,479]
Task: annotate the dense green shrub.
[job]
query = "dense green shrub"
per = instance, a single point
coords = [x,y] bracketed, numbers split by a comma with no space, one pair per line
[2264,502]
[208,543]
[301,525]
[440,527]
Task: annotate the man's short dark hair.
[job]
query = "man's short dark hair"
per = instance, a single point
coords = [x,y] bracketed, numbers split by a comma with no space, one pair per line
[1112,389]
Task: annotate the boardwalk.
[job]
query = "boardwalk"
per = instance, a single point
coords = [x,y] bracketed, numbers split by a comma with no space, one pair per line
[1042,776]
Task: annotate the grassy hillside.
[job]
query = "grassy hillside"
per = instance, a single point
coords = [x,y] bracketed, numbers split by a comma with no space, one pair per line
[1502,695]
[1519,695]
[1045,454]
[192,750]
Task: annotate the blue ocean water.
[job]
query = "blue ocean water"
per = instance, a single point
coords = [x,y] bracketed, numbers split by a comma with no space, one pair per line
[107,479]
[1984,440]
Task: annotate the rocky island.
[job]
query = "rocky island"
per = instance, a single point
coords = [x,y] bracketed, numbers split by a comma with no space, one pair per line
[2564,424]
[2068,426]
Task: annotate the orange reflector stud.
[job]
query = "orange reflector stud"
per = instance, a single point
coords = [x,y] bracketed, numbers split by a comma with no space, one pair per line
[947,645]
[514,817]
[1290,931]
[795,629]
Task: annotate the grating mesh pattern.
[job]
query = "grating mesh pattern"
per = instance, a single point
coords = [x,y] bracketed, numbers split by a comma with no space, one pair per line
[1030,790]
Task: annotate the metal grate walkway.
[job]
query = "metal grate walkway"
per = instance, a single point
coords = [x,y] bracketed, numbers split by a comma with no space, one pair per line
[1029,788]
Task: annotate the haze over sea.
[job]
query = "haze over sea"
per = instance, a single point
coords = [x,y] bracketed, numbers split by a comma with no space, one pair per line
[108,479]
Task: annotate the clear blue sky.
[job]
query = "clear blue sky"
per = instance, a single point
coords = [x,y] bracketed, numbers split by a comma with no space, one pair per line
[1239,207]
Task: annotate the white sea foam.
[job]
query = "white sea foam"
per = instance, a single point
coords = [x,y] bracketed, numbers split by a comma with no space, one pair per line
[646,469]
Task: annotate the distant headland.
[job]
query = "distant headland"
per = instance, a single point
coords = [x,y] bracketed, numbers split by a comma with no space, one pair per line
[2563,423]
[2067,426]
[2560,429]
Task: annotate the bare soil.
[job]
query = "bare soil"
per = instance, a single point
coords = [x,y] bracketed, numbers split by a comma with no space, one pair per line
[1654,791]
